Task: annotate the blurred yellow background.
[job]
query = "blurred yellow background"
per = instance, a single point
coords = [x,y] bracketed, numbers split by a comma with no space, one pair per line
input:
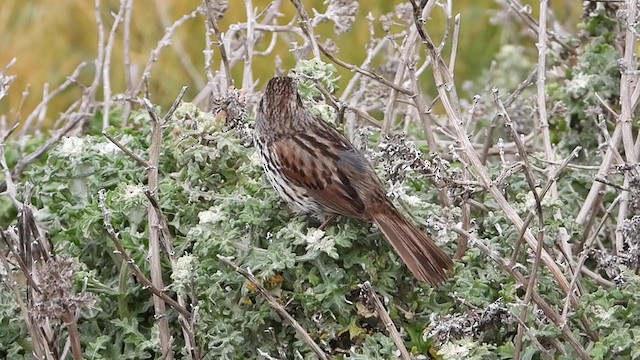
[49,38]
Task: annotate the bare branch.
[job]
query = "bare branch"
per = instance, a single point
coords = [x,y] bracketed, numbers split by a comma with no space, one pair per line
[275,305]
[102,200]
[386,319]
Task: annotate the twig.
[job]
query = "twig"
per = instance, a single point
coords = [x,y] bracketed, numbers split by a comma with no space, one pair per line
[386,319]
[21,264]
[463,245]
[406,69]
[275,305]
[346,65]
[106,66]
[552,179]
[102,202]
[614,185]
[180,50]
[155,264]
[585,254]
[247,71]
[137,158]
[213,22]
[208,61]
[538,250]
[371,53]
[126,35]
[628,85]
[71,79]
[570,166]
[618,242]
[74,335]
[544,125]
[341,107]
[99,62]
[23,98]
[454,43]
[4,134]
[163,43]
[405,51]
[188,325]
[6,80]
[38,341]
[488,142]
[605,165]
[526,17]
[535,340]
[27,160]
[304,25]
[463,242]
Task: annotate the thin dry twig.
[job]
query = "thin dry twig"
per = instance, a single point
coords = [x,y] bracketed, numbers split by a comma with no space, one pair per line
[628,85]
[137,158]
[99,62]
[538,204]
[308,30]
[40,108]
[162,43]
[180,50]
[494,122]
[37,336]
[187,325]
[27,160]
[346,65]
[585,255]
[155,264]
[528,20]
[275,305]
[553,177]
[247,72]
[213,22]
[106,213]
[386,319]
[126,35]
[106,66]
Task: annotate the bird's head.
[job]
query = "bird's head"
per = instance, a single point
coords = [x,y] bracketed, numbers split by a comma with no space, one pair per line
[281,101]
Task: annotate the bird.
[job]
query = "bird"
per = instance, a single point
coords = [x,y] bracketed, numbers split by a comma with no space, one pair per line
[318,172]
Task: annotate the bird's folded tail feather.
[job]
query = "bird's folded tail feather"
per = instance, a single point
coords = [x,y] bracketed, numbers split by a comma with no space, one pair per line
[422,256]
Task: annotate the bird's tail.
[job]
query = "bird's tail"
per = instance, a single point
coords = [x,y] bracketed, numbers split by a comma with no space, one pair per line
[421,255]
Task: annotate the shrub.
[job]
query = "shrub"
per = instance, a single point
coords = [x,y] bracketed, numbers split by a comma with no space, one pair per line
[131,231]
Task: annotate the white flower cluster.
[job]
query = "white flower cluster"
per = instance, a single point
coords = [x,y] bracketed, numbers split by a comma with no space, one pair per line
[183,272]
[134,193]
[106,148]
[208,217]
[71,148]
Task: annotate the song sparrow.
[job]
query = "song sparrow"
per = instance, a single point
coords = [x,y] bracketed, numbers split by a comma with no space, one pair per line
[317,171]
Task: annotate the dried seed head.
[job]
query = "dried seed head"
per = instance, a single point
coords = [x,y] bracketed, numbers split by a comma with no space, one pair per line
[474,324]
[57,300]
[233,108]
[341,12]
[218,8]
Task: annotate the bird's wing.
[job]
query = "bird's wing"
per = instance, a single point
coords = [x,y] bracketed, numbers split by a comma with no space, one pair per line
[323,161]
